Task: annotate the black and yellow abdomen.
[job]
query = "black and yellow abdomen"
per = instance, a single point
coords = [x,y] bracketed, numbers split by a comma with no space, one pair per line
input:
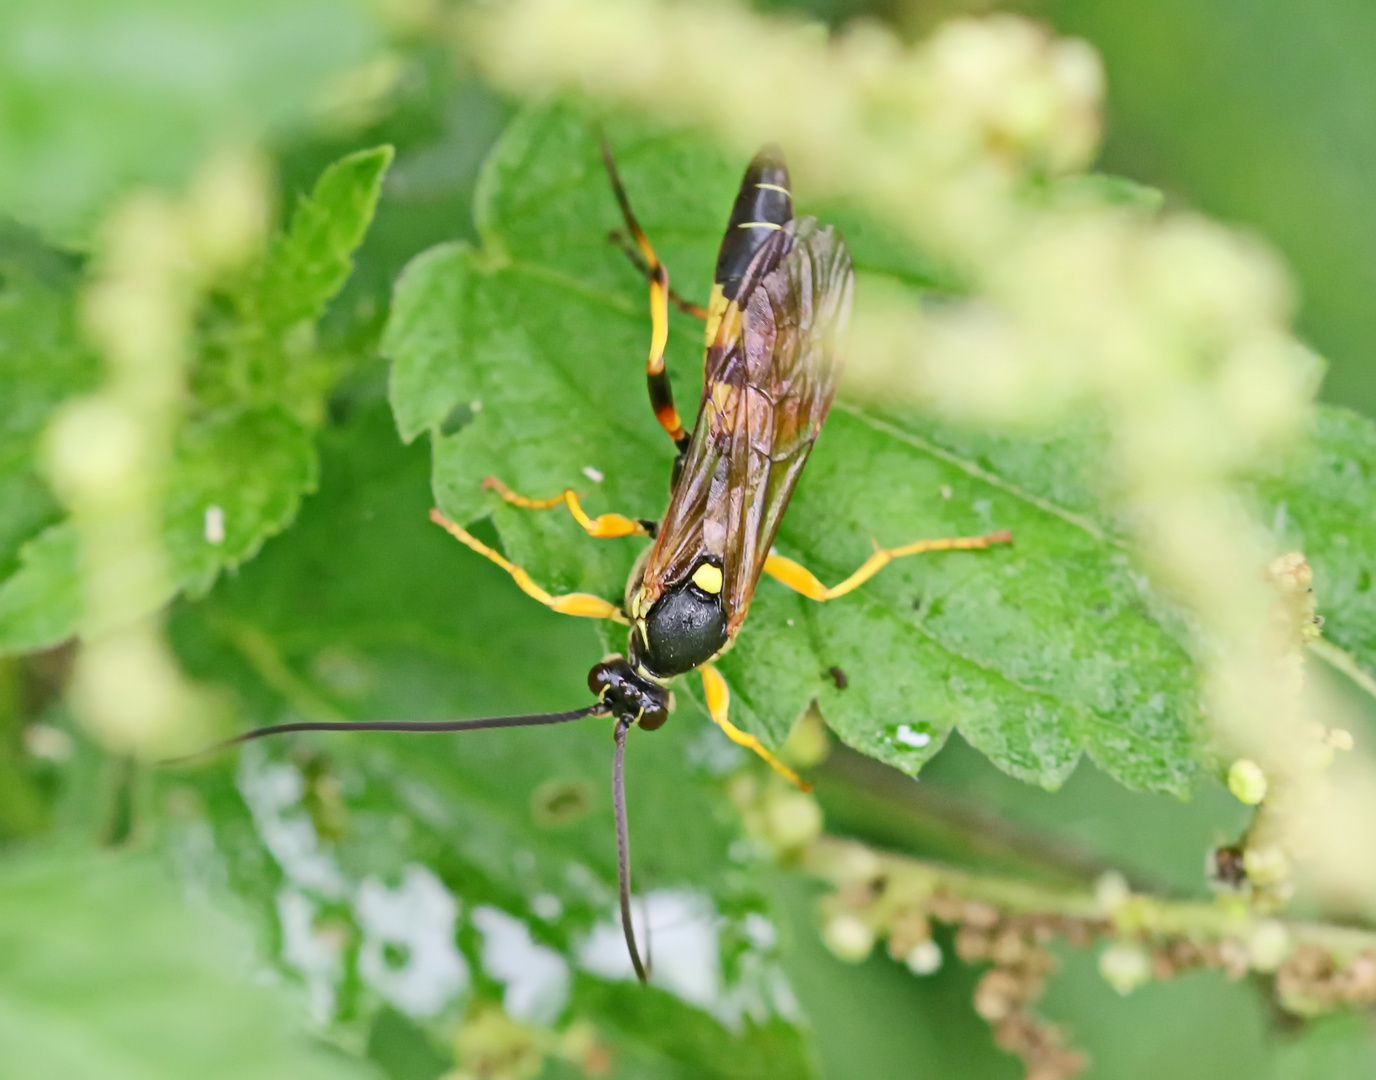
[763,205]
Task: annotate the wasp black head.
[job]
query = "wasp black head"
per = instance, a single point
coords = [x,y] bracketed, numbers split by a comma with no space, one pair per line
[686,627]
[629,694]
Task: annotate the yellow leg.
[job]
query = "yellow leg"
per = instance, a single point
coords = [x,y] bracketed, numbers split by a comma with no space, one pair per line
[697,311]
[719,706]
[604,525]
[800,579]
[584,605]
[657,274]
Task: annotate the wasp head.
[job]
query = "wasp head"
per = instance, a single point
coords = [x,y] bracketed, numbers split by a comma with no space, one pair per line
[630,695]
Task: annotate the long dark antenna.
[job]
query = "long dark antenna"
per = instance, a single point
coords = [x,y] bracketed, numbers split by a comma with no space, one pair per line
[420,726]
[623,846]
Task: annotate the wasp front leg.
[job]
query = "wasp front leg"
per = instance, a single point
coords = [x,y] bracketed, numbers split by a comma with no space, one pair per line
[603,526]
[584,605]
[801,580]
[718,697]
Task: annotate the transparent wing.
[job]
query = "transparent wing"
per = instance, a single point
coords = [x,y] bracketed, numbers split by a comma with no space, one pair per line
[770,378]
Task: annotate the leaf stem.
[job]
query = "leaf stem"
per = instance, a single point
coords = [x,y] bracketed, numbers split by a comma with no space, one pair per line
[856,786]
[1342,660]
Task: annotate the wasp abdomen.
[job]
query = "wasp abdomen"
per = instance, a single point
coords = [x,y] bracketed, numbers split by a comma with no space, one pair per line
[764,204]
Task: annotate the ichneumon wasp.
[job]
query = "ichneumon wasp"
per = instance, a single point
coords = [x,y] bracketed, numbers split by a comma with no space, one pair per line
[780,301]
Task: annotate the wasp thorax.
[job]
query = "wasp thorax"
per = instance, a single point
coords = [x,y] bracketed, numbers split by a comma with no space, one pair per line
[686,627]
[629,695]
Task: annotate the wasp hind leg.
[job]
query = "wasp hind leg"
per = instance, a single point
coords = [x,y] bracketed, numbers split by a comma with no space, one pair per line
[801,580]
[656,375]
[603,526]
[719,707]
[632,252]
[584,605]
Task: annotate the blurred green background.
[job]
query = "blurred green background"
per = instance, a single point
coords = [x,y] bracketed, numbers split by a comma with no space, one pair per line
[1257,113]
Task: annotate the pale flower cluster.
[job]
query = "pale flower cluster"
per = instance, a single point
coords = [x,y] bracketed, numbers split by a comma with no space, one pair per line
[106,453]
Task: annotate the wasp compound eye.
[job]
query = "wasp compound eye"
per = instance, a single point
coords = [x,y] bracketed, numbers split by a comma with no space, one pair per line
[628,694]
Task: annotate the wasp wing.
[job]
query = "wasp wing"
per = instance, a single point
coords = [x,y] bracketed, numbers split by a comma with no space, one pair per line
[770,377]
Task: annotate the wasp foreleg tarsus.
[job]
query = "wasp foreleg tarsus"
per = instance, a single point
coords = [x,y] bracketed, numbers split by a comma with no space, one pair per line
[718,697]
[583,605]
[604,525]
[801,580]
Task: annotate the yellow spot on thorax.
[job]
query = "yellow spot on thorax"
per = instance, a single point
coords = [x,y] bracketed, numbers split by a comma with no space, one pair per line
[759,225]
[776,187]
[708,578]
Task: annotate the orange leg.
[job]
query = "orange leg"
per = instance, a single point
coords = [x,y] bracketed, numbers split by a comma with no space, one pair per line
[718,696]
[604,525]
[800,579]
[584,605]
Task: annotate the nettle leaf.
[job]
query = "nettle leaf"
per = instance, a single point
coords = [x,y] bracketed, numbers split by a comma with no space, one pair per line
[1036,654]
[1322,501]
[366,610]
[99,95]
[109,971]
[1318,499]
[43,362]
[246,453]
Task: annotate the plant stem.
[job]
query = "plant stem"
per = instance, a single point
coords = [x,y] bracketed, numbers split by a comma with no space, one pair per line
[848,864]
[1342,660]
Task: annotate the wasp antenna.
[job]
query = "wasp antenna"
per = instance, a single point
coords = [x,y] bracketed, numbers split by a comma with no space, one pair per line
[424,727]
[623,847]
[649,939]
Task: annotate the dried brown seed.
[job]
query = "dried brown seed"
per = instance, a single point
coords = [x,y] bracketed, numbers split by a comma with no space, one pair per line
[945,908]
[980,915]
[997,993]
[1311,962]
[972,945]
[1009,947]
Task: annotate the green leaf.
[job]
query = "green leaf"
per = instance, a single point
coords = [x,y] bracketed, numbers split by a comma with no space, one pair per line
[110,971]
[254,465]
[1318,499]
[366,610]
[43,361]
[1093,190]
[40,603]
[1035,654]
[99,95]
[1323,502]
[310,264]
[245,456]
[260,344]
